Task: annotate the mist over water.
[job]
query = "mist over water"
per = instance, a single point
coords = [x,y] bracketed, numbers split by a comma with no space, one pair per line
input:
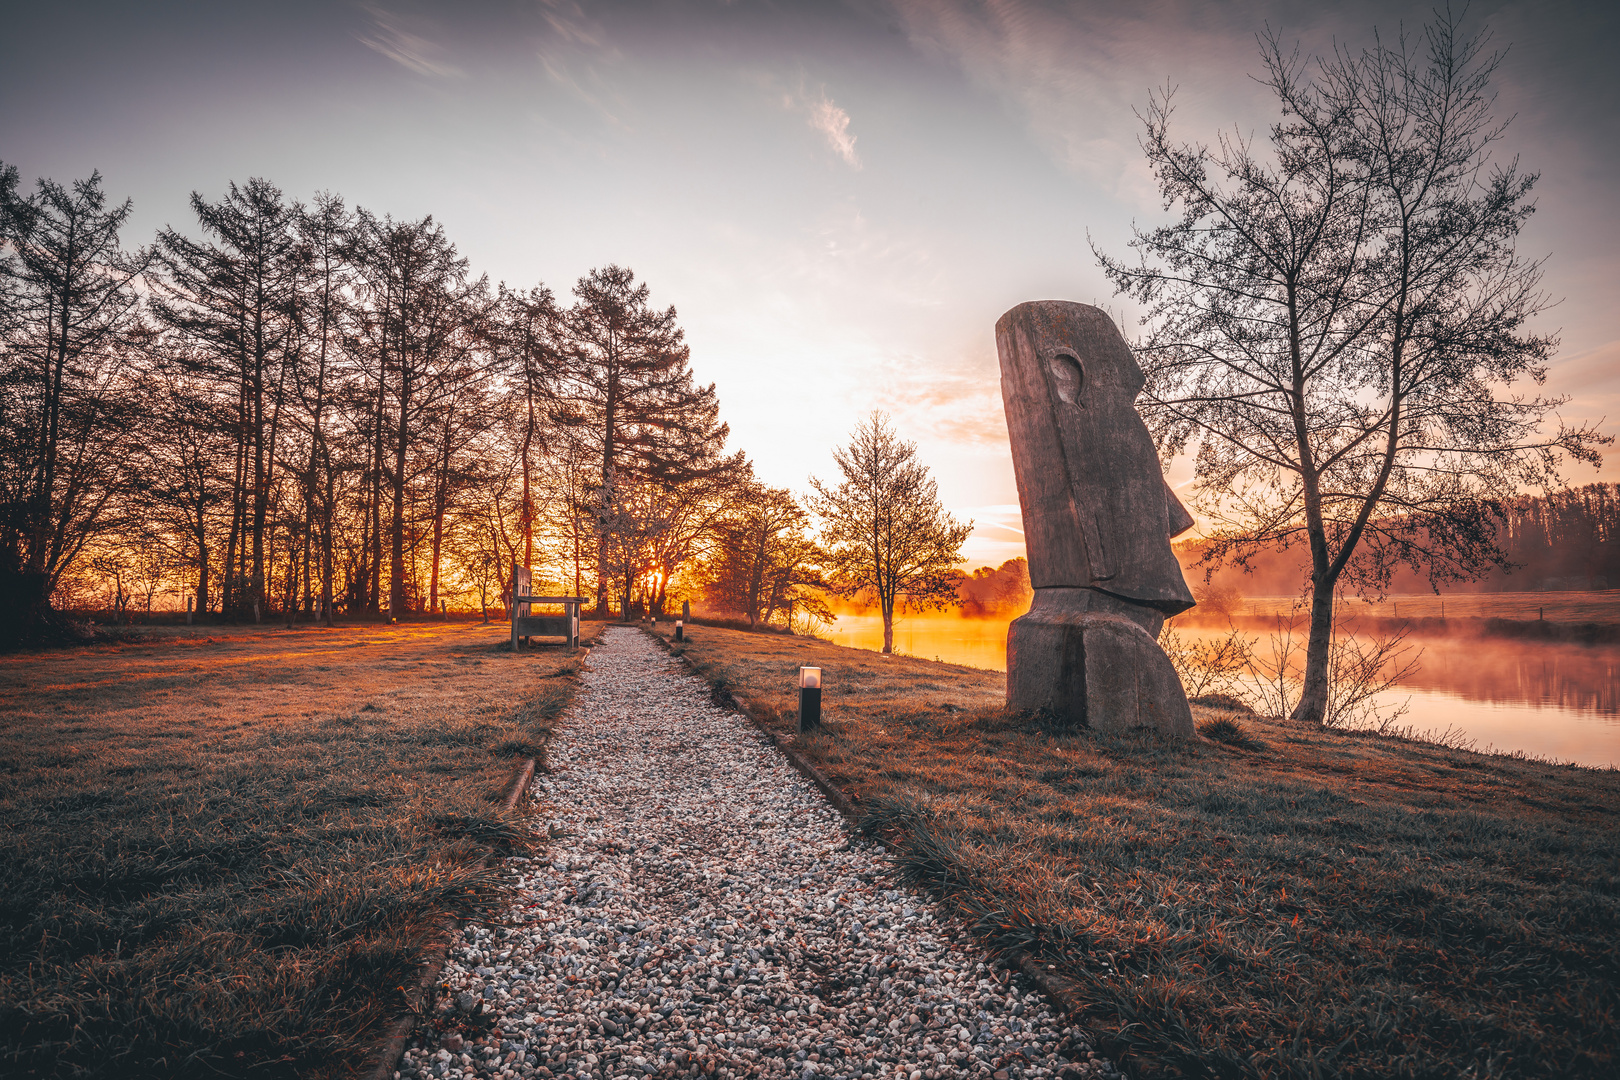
[1546,700]
[980,643]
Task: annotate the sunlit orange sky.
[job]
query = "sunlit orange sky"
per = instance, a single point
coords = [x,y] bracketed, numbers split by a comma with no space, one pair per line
[839,198]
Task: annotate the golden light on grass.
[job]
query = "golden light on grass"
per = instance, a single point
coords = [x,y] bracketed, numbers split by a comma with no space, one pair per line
[1269,900]
[240,841]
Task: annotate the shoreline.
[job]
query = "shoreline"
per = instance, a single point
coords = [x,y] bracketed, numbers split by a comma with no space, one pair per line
[1477,626]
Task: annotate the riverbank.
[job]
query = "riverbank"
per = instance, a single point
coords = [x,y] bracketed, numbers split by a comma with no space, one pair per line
[1456,626]
[225,857]
[1279,902]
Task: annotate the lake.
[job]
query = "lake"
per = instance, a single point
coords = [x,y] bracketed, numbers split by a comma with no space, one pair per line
[1554,701]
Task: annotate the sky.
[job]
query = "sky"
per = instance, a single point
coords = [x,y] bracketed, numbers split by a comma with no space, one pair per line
[839,198]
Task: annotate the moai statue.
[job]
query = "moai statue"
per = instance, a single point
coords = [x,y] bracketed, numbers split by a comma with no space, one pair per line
[1098,518]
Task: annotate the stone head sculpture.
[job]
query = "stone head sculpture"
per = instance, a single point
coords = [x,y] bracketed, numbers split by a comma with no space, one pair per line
[1098,518]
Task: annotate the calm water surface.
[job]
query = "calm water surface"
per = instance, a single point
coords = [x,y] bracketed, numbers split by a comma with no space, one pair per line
[1554,701]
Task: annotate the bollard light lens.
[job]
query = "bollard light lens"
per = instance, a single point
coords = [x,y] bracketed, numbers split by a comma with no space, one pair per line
[678,622]
[810,678]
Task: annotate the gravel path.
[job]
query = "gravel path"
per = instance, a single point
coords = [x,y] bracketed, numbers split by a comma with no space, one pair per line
[703,911]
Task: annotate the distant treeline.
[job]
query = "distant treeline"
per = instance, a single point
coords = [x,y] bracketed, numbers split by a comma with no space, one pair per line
[989,592]
[1000,592]
[1562,541]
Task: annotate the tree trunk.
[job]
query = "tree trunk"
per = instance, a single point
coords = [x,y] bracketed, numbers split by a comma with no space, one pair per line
[326,556]
[1313,698]
[609,495]
[24,605]
[888,626]
[396,528]
[261,485]
[230,590]
[374,555]
[526,509]
[202,569]
[439,511]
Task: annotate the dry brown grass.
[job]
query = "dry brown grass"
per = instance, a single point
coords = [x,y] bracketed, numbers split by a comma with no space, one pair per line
[224,851]
[1270,901]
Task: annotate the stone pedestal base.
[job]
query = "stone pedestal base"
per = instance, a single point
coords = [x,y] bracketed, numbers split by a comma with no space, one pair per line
[1092,659]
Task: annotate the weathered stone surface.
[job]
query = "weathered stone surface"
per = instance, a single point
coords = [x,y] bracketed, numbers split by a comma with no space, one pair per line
[1080,655]
[1098,518]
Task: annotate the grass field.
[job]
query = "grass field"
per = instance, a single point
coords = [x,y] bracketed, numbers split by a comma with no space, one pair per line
[222,851]
[1272,902]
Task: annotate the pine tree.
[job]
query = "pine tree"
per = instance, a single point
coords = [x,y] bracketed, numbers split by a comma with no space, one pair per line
[70,319]
[627,392]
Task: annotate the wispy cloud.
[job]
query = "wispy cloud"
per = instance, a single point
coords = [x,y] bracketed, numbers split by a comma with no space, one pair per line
[394,40]
[1073,71]
[961,406]
[568,21]
[833,123]
[577,55]
[824,115]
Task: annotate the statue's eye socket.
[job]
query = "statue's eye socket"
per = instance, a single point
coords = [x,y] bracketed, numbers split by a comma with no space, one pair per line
[1067,376]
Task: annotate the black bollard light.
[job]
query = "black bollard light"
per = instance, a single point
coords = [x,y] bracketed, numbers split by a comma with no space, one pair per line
[809,699]
[680,630]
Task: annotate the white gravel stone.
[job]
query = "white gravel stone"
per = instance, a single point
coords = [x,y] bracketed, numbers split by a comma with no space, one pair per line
[701,910]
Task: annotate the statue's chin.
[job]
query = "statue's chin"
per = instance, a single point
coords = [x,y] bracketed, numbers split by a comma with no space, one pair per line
[1093,660]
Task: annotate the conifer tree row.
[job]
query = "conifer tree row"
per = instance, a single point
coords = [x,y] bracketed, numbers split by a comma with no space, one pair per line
[291,410]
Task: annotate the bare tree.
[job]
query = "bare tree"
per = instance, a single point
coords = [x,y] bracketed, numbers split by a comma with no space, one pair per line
[526,336]
[70,316]
[232,297]
[178,465]
[323,238]
[419,324]
[452,440]
[883,527]
[1332,322]
[568,481]
[692,516]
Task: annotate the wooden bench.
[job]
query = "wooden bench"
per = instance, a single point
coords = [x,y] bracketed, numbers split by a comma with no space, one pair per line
[525,624]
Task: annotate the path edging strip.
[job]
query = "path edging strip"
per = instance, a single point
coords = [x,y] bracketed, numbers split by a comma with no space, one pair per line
[1049,983]
[419,998]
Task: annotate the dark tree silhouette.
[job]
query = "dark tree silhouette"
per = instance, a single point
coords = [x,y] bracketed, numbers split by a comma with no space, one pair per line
[233,297]
[418,327]
[322,307]
[69,315]
[525,332]
[327,411]
[180,466]
[1332,320]
[628,392]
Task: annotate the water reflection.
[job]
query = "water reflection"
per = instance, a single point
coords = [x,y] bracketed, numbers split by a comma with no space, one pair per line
[1549,700]
[1573,677]
[980,643]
